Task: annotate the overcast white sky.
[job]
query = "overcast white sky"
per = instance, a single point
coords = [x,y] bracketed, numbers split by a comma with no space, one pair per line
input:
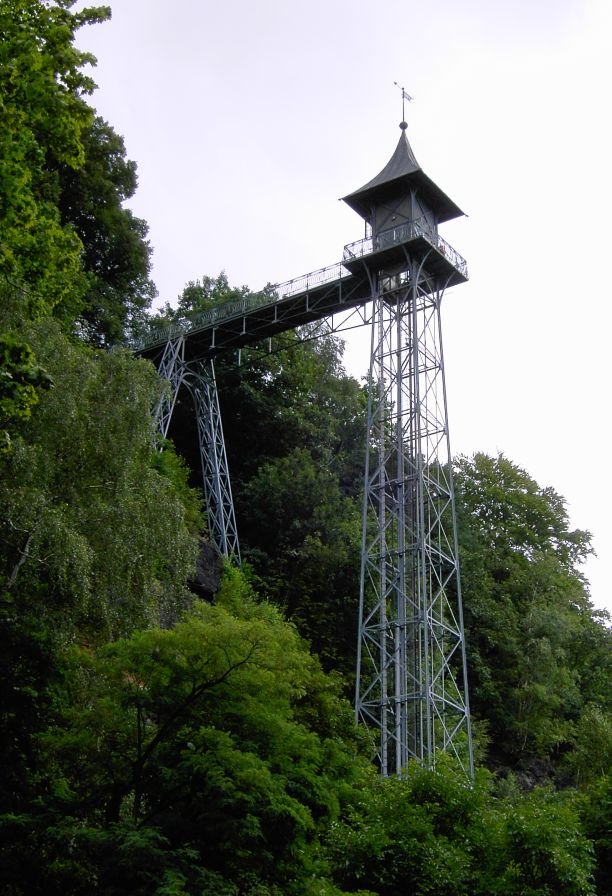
[249,118]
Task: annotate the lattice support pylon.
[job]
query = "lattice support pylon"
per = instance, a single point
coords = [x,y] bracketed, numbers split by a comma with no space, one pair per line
[411,674]
[171,368]
[199,379]
[201,382]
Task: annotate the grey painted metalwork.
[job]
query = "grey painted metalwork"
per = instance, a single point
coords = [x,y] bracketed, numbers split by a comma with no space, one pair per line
[200,380]
[172,368]
[411,685]
[327,293]
[411,671]
[411,676]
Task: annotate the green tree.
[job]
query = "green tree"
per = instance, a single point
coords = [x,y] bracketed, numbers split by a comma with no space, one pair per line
[116,255]
[81,487]
[210,755]
[20,380]
[95,538]
[302,536]
[64,234]
[597,813]
[429,834]
[201,295]
[44,115]
[526,610]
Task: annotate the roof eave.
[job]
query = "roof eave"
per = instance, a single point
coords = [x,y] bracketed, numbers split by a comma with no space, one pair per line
[442,205]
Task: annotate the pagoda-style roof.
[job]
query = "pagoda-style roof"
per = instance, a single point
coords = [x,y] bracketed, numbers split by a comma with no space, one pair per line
[401,174]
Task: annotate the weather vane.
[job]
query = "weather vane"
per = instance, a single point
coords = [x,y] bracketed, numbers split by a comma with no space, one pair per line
[405,96]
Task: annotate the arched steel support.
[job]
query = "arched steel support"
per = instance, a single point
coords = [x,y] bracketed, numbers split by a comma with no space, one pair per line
[411,671]
[200,380]
[171,368]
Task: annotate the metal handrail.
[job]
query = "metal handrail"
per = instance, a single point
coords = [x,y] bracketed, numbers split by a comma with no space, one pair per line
[328,274]
[228,310]
[403,233]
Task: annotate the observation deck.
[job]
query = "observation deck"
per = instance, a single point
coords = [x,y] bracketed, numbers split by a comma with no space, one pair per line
[414,239]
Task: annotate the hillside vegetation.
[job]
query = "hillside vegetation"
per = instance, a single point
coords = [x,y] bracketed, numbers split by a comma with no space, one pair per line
[164,740]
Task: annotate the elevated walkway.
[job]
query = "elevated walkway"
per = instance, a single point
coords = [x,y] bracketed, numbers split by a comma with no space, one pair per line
[312,297]
[233,325]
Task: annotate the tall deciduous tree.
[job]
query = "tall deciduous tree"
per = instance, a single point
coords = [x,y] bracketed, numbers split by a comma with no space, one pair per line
[44,114]
[95,539]
[531,629]
[80,487]
[65,235]
[429,834]
[116,254]
[20,381]
[211,755]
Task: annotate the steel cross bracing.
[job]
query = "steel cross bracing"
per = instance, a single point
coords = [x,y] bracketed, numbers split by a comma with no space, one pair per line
[199,379]
[171,368]
[411,676]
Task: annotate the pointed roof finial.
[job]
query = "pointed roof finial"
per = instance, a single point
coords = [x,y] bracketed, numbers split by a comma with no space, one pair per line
[405,96]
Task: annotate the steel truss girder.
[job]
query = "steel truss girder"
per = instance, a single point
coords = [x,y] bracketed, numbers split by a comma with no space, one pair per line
[199,379]
[411,668]
[247,321]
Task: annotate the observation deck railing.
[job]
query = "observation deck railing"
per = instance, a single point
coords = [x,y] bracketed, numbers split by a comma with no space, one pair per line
[403,233]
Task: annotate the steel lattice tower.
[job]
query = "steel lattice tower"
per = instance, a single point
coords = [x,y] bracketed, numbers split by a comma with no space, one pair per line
[411,674]
[411,670]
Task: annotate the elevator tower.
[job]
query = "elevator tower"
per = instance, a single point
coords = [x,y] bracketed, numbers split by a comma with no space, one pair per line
[411,673]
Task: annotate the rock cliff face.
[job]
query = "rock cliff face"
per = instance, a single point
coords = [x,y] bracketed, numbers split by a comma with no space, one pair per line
[207,578]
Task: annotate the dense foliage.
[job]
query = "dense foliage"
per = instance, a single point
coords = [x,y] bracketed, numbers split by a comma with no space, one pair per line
[160,745]
[206,754]
[116,255]
[65,238]
[540,661]
[42,90]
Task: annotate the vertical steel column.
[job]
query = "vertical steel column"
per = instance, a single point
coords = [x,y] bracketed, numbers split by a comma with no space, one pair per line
[411,675]
[200,380]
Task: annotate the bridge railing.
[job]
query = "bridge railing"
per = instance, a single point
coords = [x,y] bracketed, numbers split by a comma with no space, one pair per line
[403,233]
[308,281]
[226,310]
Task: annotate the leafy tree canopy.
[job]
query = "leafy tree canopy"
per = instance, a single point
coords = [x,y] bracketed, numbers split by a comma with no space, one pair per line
[96,538]
[20,378]
[44,114]
[65,237]
[537,651]
[210,754]
[116,254]
[429,834]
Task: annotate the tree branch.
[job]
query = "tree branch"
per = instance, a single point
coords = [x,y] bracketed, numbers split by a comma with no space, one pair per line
[23,556]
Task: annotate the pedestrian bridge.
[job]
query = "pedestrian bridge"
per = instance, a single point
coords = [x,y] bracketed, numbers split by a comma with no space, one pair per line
[311,297]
